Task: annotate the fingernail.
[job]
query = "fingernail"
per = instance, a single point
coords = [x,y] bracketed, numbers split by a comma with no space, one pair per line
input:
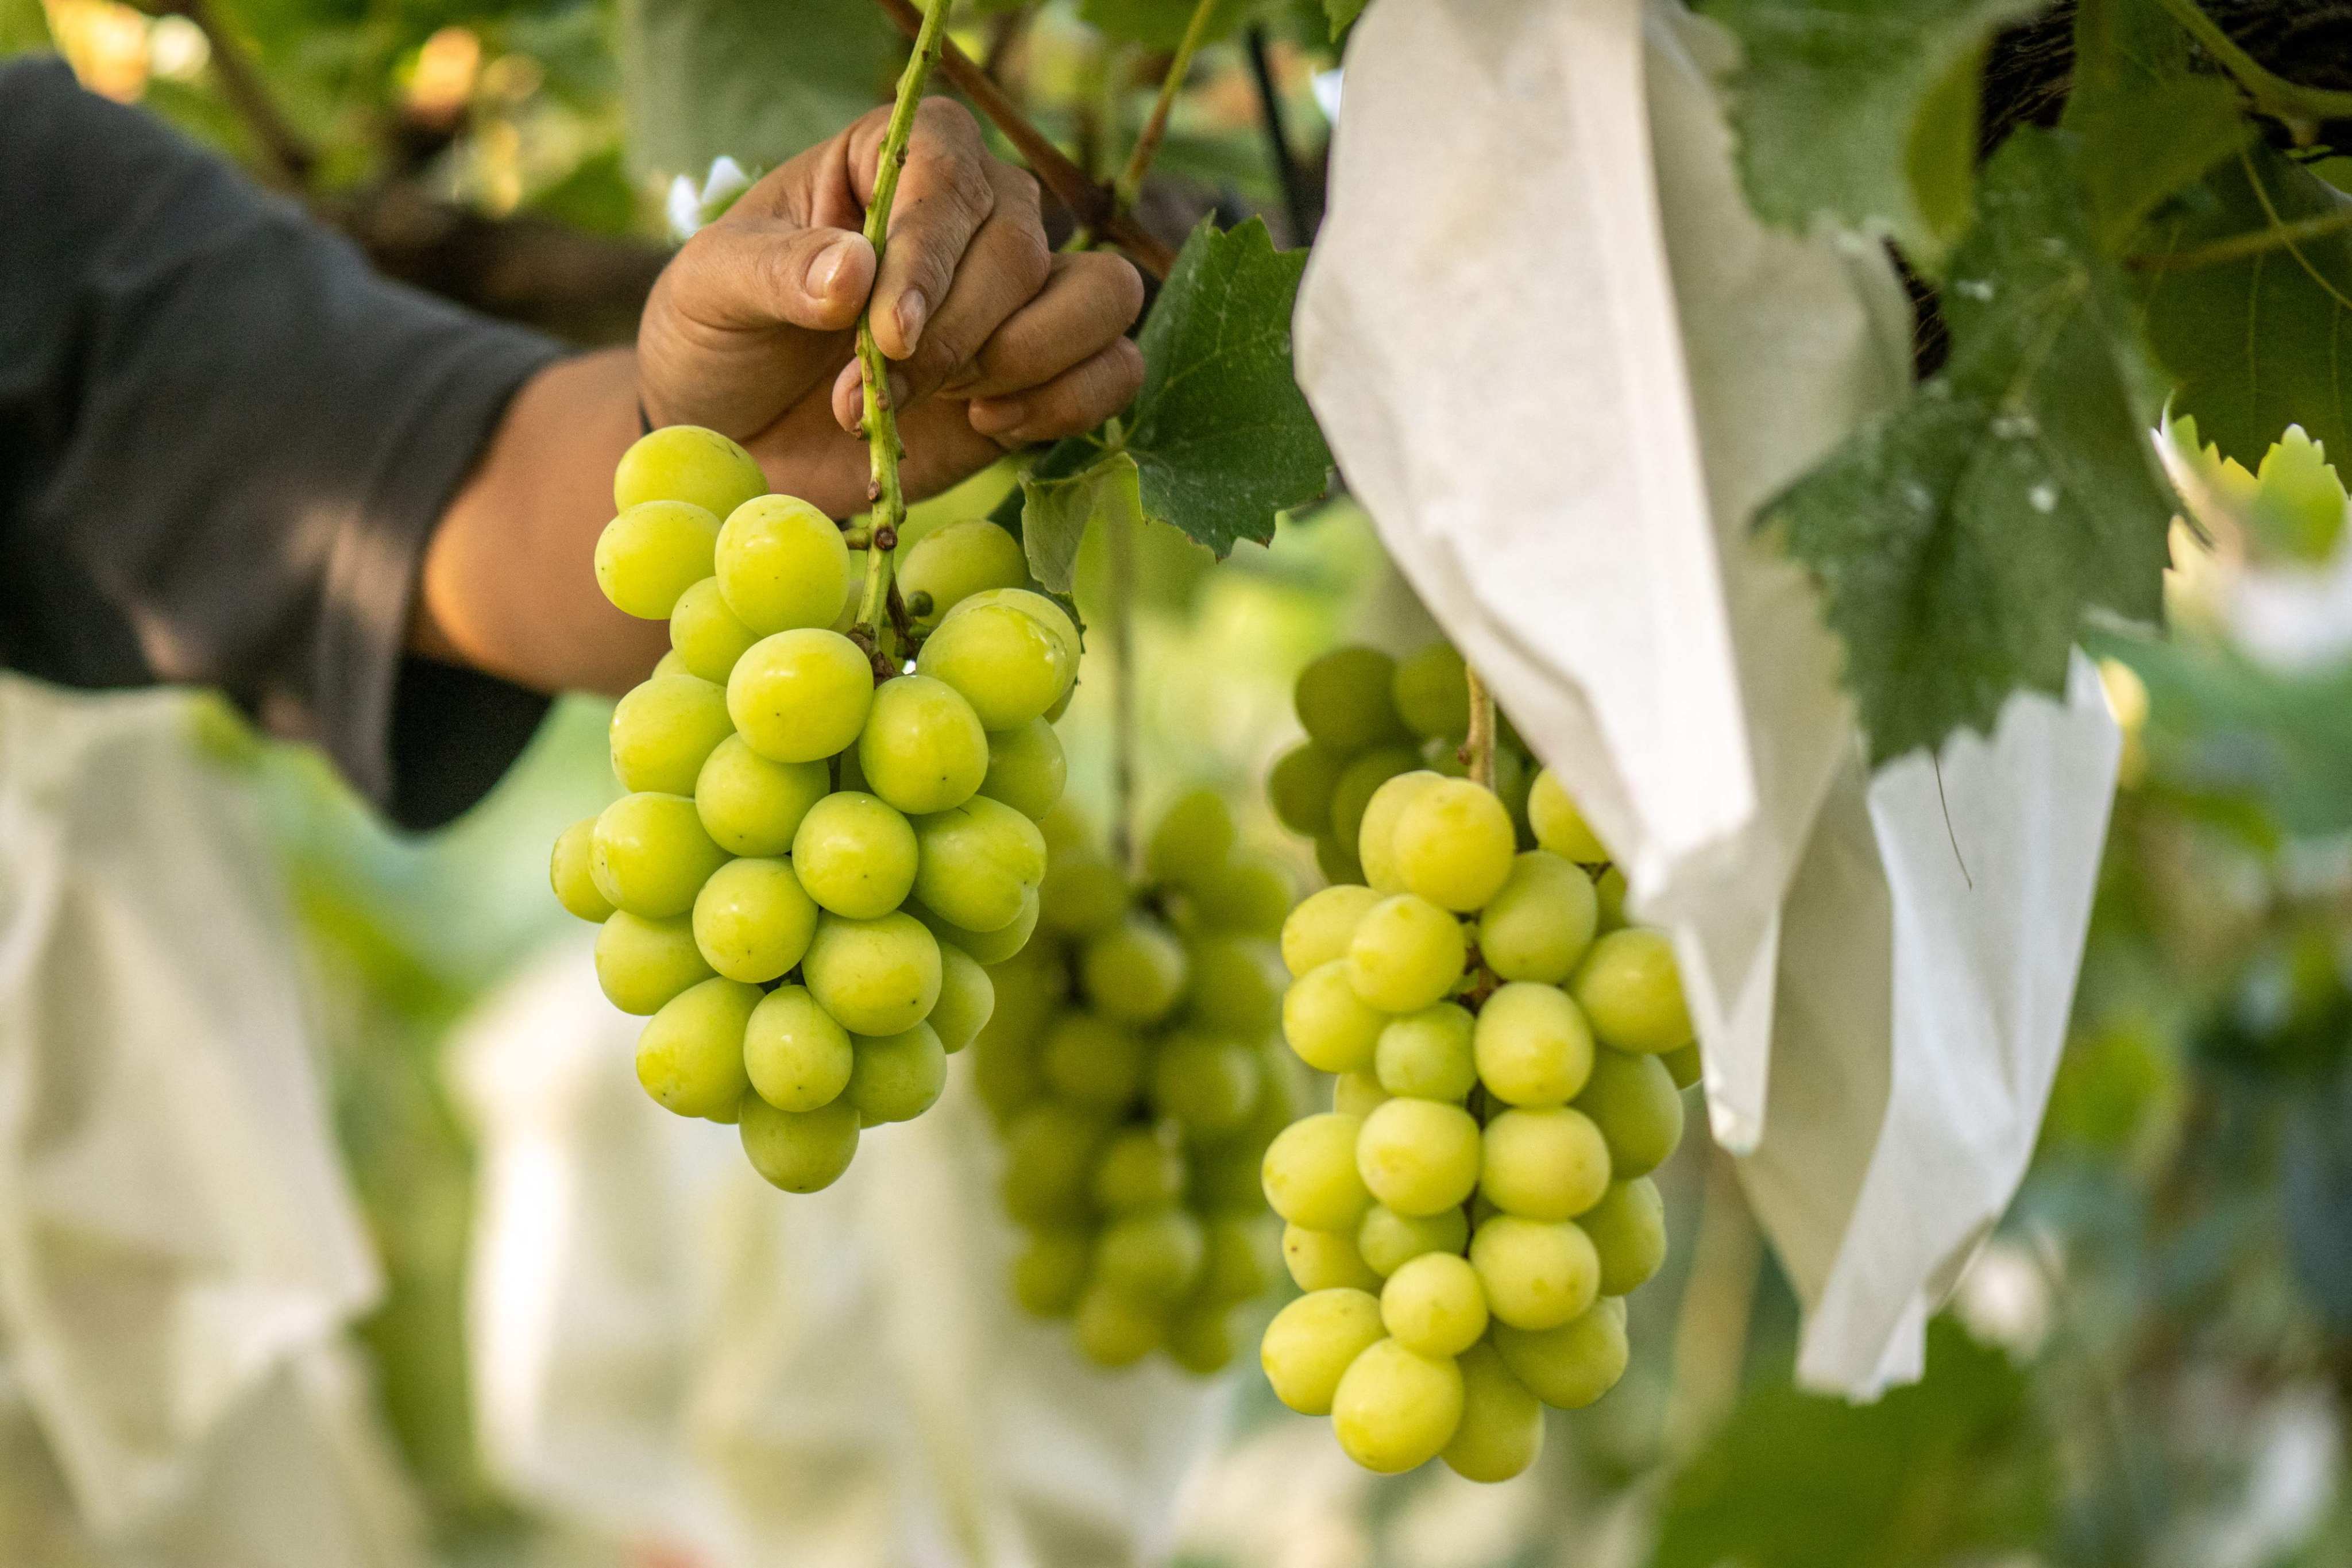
[912,312]
[824,275]
[997,416]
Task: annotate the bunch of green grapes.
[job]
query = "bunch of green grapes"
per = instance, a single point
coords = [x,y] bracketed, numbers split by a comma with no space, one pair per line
[1133,1068]
[1467,1219]
[819,854]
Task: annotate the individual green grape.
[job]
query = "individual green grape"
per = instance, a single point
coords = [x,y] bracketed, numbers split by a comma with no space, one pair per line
[1454,844]
[1050,1273]
[1376,836]
[1082,894]
[1049,1159]
[1070,831]
[1191,838]
[1343,699]
[953,563]
[649,855]
[568,871]
[1559,825]
[988,947]
[800,695]
[1541,922]
[1093,1060]
[1233,1264]
[1355,1093]
[895,1077]
[1418,1156]
[1681,1066]
[729,1115]
[705,635]
[1569,1366]
[1300,785]
[1387,1241]
[1628,1228]
[1433,1305]
[1330,1027]
[1609,888]
[1201,1339]
[1249,894]
[690,1054]
[1502,1427]
[1312,1342]
[1026,768]
[1037,607]
[1407,954]
[979,864]
[652,553]
[782,565]
[1396,1409]
[1153,1253]
[662,731]
[1359,782]
[1310,1176]
[1325,1260]
[751,805]
[642,963]
[857,856]
[1545,1164]
[878,976]
[1633,994]
[922,749]
[1114,1327]
[1323,925]
[754,920]
[1205,1084]
[967,999]
[1633,1101]
[1135,974]
[687,463]
[1426,1055]
[1139,1169]
[798,1057]
[1004,1072]
[1532,1046]
[1432,692]
[670,664]
[1535,1274]
[1335,859]
[1006,664]
[1234,984]
[799,1150]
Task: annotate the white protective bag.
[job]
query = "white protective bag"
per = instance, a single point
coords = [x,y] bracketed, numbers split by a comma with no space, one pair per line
[1561,363]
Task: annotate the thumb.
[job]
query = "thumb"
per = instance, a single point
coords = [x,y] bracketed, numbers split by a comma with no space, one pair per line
[770,271]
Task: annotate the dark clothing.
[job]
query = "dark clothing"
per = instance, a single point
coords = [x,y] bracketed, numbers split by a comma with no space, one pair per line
[224,441]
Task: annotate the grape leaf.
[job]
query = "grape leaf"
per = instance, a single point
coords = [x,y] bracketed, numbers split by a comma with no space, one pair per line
[1960,537]
[1863,109]
[1056,513]
[703,77]
[2150,124]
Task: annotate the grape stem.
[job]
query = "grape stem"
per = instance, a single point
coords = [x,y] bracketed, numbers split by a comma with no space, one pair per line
[881,420]
[1478,752]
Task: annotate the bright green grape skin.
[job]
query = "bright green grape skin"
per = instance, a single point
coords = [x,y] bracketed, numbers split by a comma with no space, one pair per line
[752,807]
[988,947]
[1542,921]
[754,920]
[1359,782]
[798,1057]
[967,999]
[1082,895]
[1311,1343]
[1432,693]
[856,856]
[1387,1241]
[1039,609]
[1205,1084]
[1433,1305]
[1569,1366]
[1026,768]
[1250,894]
[1310,1176]
[1051,1270]
[1535,1274]
[1502,1428]
[686,463]
[1135,974]
[1050,1151]
[1138,1170]
[1152,1253]
[979,863]
[895,1077]
[953,563]
[1407,954]
[690,1055]
[1454,844]
[1418,1156]
[1532,1046]
[1007,665]
[1115,1329]
[1325,1260]
[1329,1026]
[642,963]
[799,1150]
[923,749]
[1560,827]
[649,855]
[1633,994]
[1357,1093]
[1681,1066]
[1426,1055]
[1234,984]
[1321,928]
[1543,1164]
[1300,785]
[651,554]
[1092,1061]
[1376,836]
[1192,837]
[1335,859]
[878,976]
[1344,702]
[782,565]
[800,696]
[1628,1228]
[1633,1101]
[664,729]
[705,635]
[670,664]
[569,872]
[1395,1409]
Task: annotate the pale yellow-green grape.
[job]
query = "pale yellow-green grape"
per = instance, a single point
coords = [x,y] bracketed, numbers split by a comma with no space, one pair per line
[1323,925]
[690,1055]
[800,695]
[1572,1366]
[568,869]
[979,864]
[799,1150]
[1535,1274]
[1633,1101]
[1006,664]
[1418,1156]
[1154,1253]
[1432,693]
[753,919]
[1532,1046]
[729,1115]
[1376,836]
[1387,1241]
[1206,1084]
[1249,893]
[1396,1409]
[1039,609]
[797,1055]
[1541,922]
[1681,1066]
[642,963]
[688,463]
[1502,1427]
[1559,825]
[856,856]
[953,563]
[781,565]
[1357,1093]
[1082,894]
[967,999]
[1089,1059]
[1548,1164]
[895,1077]
[1325,1260]
[989,947]
[1233,1264]
[651,554]
[1610,889]
[1192,837]
[1454,844]
[1049,1159]
[1201,1339]
[1069,830]
[1336,859]
[1359,782]
[1344,700]
[922,749]
[705,635]
[649,855]
[878,976]
[1330,1027]
[1312,1342]
[1050,1271]
[1139,1169]
[1026,768]
[1633,994]
[1426,1055]
[662,731]
[1300,785]
[1135,973]
[1115,1328]
[1628,1228]
[751,805]
[1236,983]
[1310,1176]
[670,664]
[1435,1305]
[1406,954]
